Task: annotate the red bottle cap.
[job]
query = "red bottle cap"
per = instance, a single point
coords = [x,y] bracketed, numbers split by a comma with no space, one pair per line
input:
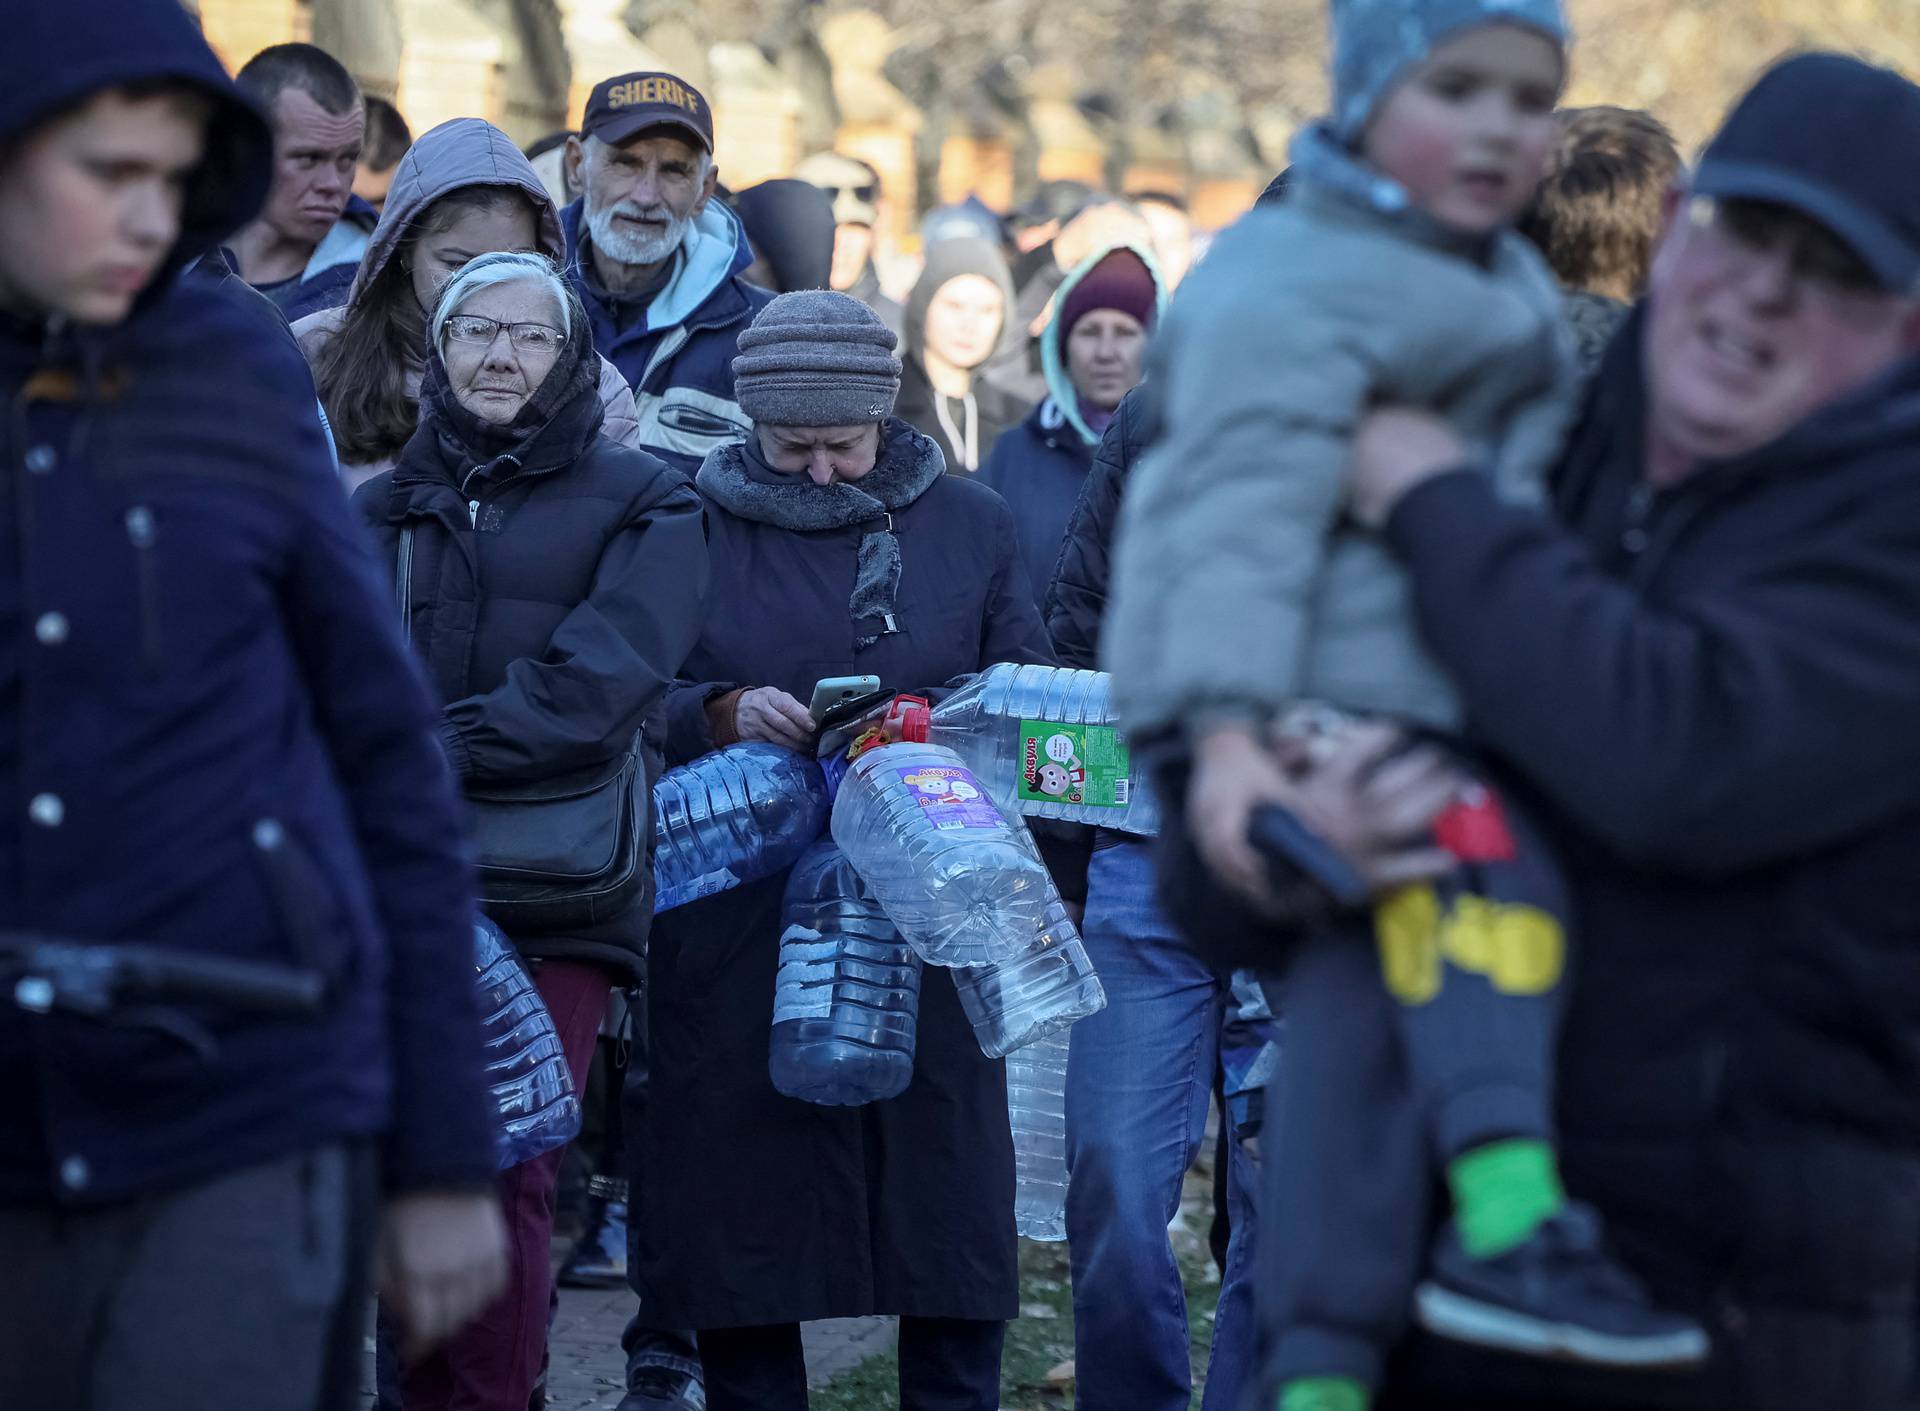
[907,720]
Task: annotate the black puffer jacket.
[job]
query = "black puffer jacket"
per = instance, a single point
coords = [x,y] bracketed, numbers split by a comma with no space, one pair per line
[556,586]
[1078,594]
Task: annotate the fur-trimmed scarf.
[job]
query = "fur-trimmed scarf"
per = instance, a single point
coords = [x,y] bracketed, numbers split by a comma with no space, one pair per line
[738,479]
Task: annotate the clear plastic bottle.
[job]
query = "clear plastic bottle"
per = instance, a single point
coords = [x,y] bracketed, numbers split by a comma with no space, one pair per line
[526,1066]
[847,1001]
[731,817]
[948,867]
[1045,741]
[1048,985]
[1037,1112]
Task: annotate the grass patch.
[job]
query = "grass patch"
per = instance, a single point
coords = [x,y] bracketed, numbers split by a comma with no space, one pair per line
[1042,1338]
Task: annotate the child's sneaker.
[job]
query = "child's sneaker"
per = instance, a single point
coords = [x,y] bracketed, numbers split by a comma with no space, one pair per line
[1557,1295]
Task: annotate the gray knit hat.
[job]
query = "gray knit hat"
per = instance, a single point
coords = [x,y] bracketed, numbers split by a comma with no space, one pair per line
[1375,42]
[816,358]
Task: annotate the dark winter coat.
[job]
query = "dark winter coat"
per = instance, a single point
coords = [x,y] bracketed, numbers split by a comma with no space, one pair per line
[758,1208]
[1713,691]
[1077,595]
[677,350]
[556,585]
[212,738]
[1038,468]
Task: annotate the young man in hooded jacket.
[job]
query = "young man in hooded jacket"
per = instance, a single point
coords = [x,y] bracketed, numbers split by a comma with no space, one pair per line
[211,743]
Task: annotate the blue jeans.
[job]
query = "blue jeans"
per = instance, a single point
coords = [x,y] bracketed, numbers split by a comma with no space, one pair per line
[1139,1079]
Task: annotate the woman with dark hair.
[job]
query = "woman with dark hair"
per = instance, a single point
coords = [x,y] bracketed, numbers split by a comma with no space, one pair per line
[461,190]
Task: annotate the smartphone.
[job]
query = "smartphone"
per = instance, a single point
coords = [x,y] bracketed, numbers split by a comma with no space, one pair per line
[1287,843]
[837,690]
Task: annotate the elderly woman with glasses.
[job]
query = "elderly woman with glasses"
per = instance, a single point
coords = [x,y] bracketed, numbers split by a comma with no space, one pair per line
[552,583]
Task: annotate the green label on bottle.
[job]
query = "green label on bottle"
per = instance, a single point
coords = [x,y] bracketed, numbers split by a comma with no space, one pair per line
[1086,765]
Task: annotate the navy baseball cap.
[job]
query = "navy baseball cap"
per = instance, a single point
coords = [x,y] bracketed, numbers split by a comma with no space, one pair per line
[1834,139]
[623,107]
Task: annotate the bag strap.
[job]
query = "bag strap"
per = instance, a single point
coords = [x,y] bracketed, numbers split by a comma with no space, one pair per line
[403,579]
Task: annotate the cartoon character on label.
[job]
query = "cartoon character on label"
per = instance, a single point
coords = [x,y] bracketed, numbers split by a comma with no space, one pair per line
[1062,776]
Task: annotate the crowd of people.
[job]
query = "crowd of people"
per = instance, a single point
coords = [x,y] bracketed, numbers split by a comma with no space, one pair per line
[1495,539]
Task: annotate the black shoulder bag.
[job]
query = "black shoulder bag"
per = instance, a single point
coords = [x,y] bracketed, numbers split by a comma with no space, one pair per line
[558,852]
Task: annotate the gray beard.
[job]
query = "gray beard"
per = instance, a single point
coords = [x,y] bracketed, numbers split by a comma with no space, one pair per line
[626,249]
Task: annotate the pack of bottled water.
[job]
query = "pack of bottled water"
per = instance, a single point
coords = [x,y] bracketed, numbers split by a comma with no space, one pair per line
[1046,742]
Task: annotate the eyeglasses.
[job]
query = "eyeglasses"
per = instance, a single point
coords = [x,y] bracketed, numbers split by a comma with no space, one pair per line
[527,337]
[1754,229]
[869,192]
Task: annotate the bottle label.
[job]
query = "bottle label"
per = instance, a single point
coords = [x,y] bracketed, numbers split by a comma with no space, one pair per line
[951,798]
[1087,765]
[706,885]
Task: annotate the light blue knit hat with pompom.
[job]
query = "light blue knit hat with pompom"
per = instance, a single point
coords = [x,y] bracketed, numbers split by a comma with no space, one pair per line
[1375,42]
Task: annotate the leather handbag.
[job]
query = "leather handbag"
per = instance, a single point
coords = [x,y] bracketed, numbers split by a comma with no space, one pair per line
[569,850]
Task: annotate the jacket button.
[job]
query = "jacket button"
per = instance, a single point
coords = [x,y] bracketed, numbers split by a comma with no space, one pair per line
[268,834]
[50,628]
[47,810]
[75,1173]
[1634,541]
[41,459]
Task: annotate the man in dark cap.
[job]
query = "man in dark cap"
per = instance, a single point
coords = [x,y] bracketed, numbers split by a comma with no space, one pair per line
[1705,671]
[660,264]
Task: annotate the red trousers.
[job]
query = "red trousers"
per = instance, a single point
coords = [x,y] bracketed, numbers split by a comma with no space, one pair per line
[492,1364]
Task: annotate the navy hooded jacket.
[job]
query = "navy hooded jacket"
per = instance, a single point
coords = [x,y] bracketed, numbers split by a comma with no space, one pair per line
[677,351]
[212,737]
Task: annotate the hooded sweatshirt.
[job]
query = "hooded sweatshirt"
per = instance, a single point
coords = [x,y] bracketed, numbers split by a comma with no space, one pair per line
[965,428]
[1040,466]
[457,154]
[211,738]
[790,226]
[675,345]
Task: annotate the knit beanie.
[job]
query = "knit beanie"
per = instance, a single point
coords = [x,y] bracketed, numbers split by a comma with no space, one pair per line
[816,358]
[1375,42]
[1120,281]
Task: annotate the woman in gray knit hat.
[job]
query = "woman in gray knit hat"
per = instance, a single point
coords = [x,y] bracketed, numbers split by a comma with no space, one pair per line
[840,547]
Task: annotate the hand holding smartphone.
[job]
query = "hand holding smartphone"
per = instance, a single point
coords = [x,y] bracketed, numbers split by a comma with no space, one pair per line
[832,691]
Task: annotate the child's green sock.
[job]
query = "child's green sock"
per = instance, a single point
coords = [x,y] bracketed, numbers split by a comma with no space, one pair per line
[1323,1394]
[1502,1193]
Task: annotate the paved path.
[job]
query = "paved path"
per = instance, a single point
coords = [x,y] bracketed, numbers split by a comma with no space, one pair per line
[588,1371]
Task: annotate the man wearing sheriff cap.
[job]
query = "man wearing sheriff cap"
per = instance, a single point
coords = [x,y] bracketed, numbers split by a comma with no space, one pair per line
[658,262]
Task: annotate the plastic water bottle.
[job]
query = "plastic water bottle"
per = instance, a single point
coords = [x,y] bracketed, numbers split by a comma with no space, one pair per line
[948,867]
[847,1001]
[1047,986]
[731,817]
[526,1067]
[1037,1112]
[1045,741]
